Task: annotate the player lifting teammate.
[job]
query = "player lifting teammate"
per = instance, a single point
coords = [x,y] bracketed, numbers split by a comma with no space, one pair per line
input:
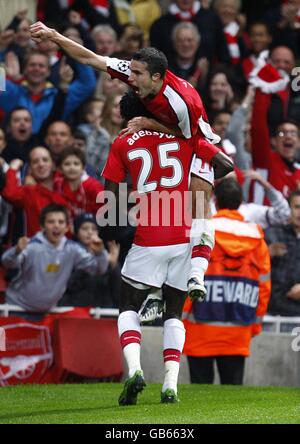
[178,109]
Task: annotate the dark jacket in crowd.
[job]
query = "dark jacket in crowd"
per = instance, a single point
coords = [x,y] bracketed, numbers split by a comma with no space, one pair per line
[213,44]
[285,271]
[85,290]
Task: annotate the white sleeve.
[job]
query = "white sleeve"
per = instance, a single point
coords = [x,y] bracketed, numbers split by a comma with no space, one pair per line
[118,68]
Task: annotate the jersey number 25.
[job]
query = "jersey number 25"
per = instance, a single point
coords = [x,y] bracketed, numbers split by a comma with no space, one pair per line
[164,162]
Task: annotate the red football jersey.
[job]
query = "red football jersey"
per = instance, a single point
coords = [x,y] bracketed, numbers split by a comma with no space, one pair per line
[159,166]
[177,103]
[84,198]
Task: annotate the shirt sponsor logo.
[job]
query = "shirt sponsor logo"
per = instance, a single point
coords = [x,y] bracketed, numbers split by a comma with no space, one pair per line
[52,268]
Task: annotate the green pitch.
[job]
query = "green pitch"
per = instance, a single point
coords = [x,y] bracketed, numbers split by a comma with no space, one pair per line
[97,403]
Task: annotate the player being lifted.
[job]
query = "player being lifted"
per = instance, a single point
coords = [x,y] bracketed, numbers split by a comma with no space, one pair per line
[179,110]
[161,249]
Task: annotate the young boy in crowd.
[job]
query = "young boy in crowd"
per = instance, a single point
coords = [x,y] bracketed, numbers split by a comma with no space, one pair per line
[78,188]
[46,262]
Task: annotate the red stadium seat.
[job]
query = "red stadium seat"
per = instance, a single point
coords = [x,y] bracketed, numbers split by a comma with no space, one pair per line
[87,348]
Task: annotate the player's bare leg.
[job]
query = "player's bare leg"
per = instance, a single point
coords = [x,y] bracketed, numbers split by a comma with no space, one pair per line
[174,337]
[131,298]
[202,236]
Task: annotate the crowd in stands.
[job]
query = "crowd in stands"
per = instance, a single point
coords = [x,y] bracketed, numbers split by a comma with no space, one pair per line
[59,118]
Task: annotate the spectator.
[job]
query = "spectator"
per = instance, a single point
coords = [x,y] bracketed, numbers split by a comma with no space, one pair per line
[22,41]
[284,248]
[220,94]
[228,12]
[260,40]
[80,142]
[284,22]
[96,14]
[32,198]
[238,131]
[39,97]
[283,58]
[276,99]
[47,261]
[208,24]
[286,103]
[51,50]
[10,10]
[20,139]
[22,38]
[77,23]
[186,64]
[97,138]
[106,43]
[220,124]
[85,289]
[92,13]
[265,215]
[131,40]
[77,188]
[58,137]
[105,40]
[278,166]
[15,40]
[220,328]
[111,117]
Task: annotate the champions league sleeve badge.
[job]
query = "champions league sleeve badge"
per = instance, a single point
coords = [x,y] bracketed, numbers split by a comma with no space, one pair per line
[123,66]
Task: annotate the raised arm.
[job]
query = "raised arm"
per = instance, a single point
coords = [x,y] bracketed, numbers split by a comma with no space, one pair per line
[39,32]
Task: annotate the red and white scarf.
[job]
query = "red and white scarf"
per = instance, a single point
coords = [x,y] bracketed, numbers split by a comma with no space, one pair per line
[231,35]
[185,15]
[101,6]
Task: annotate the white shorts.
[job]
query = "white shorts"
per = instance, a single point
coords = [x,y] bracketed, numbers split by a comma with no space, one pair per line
[203,170]
[155,266]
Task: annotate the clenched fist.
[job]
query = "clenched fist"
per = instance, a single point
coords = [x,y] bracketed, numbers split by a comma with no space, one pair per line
[40,32]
